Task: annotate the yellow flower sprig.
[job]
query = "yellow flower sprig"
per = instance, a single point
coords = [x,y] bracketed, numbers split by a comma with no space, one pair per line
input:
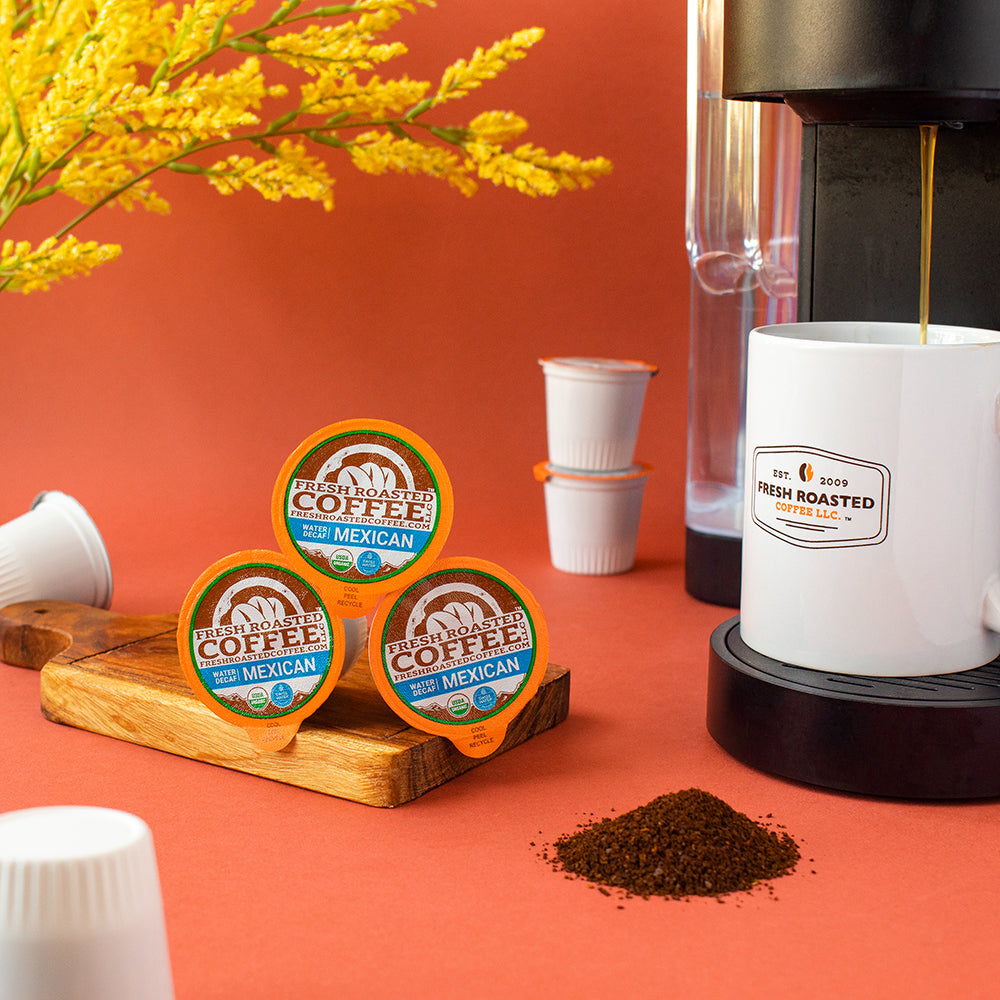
[98,96]
[28,269]
[462,76]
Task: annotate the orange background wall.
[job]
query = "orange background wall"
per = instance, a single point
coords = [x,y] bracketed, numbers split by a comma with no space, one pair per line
[165,390]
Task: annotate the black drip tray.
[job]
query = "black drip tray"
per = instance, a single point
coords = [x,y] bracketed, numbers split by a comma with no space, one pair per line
[934,737]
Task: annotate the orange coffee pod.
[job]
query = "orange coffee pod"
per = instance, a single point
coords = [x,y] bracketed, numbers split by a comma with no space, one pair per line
[460,652]
[258,645]
[367,504]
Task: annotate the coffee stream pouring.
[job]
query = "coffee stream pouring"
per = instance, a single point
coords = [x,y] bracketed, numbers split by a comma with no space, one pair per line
[863,77]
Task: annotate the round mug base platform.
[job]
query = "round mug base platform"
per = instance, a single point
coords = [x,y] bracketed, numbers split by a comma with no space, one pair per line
[926,738]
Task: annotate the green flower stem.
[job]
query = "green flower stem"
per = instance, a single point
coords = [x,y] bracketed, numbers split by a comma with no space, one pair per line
[312,133]
[107,143]
[8,200]
[249,40]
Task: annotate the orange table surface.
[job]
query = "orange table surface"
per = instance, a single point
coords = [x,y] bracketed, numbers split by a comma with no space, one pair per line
[165,391]
[271,891]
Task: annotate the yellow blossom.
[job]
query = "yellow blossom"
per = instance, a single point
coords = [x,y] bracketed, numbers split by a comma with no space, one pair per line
[373,99]
[116,164]
[376,153]
[26,269]
[497,127]
[97,96]
[290,173]
[485,64]
[381,4]
[199,108]
[342,47]
[194,30]
[531,170]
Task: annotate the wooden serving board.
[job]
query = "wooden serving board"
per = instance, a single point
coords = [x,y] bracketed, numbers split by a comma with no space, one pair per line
[120,676]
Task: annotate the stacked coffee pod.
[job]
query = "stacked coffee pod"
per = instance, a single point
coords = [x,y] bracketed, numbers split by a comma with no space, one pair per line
[593,485]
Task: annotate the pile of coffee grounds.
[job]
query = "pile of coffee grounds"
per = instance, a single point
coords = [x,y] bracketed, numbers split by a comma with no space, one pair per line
[687,843]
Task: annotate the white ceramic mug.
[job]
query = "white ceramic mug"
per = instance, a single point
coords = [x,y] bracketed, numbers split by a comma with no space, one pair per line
[872,522]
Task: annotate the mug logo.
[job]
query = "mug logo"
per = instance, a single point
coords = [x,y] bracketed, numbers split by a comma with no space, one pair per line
[841,502]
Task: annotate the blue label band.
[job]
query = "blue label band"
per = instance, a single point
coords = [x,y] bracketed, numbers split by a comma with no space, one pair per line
[275,669]
[409,540]
[468,678]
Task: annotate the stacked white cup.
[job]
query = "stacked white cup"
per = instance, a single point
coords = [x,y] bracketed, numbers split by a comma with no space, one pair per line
[593,485]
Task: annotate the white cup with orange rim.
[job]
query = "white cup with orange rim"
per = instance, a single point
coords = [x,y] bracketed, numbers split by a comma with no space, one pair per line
[593,517]
[593,407]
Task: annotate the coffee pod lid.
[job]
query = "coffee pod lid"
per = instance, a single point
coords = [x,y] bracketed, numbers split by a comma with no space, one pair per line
[258,645]
[365,503]
[544,471]
[597,368]
[460,652]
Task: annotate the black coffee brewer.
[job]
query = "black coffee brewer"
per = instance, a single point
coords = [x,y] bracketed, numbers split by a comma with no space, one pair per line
[863,76]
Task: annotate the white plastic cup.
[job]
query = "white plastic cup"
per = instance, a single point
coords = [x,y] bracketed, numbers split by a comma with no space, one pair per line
[54,552]
[355,641]
[592,411]
[593,518]
[81,915]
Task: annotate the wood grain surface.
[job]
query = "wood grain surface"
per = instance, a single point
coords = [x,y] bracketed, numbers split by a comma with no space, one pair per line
[120,676]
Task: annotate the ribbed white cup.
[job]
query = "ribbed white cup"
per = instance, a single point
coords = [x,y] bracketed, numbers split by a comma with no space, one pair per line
[81,915]
[54,552]
[593,407]
[593,519]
